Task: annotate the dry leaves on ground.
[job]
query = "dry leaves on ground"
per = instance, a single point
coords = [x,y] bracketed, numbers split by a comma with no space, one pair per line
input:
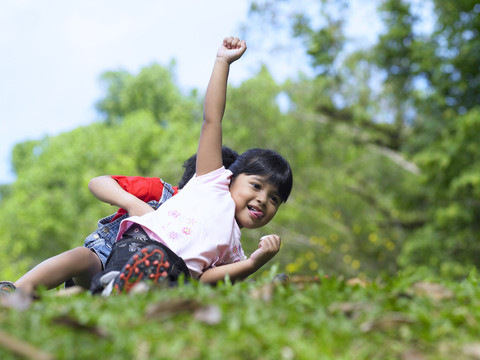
[386,322]
[71,322]
[350,309]
[22,348]
[432,290]
[17,300]
[210,314]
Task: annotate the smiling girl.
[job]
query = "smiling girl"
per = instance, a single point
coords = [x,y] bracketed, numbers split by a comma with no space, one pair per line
[198,231]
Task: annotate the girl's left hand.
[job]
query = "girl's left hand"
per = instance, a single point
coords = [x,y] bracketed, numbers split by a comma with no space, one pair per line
[267,248]
[232,49]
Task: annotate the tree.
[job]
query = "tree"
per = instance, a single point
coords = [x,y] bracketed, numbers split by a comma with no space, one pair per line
[448,241]
[382,141]
[153,90]
[443,131]
[412,96]
[48,209]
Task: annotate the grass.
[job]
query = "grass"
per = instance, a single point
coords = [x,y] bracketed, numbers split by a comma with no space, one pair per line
[403,317]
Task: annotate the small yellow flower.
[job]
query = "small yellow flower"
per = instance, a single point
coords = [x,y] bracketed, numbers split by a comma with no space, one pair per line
[390,245]
[344,248]
[355,264]
[347,259]
[292,267]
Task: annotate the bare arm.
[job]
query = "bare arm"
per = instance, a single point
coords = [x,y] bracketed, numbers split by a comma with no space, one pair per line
[267,249]
[106,189]
[209,155]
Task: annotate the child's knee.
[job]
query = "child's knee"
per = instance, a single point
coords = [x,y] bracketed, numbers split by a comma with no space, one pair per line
[86,258]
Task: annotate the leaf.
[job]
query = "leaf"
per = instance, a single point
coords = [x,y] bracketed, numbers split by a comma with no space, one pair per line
[432,290]
[17,300]
[22,348]
[302,279]
[165,309]
[472,350]
[349,308]
[73,323]
[412,355]
[264,292]
[210,315]
[357,281]
[70,291]
[386,322]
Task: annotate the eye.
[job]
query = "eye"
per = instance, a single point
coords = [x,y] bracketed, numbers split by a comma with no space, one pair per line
[275,199]
[256,186]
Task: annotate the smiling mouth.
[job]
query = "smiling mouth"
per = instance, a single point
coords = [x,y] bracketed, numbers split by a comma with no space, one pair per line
[255,212]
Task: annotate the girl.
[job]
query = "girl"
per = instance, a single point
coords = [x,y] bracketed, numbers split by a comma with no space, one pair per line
[197,232]
[83,263]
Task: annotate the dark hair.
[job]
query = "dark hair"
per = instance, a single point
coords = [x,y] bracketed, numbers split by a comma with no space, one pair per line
[190,165]
[266,162]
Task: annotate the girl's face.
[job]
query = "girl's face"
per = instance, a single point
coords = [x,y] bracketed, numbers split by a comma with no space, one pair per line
[256,200]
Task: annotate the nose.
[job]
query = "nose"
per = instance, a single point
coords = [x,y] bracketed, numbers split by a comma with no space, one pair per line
[262,197]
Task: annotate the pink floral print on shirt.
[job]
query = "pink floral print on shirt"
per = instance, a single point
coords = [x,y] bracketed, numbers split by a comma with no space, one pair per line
[173,235]
[173,213]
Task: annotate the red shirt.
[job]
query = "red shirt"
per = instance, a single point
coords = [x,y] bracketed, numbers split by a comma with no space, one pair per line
[144,188]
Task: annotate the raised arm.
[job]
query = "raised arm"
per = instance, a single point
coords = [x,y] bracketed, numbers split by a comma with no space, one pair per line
[209,156]
[106,189]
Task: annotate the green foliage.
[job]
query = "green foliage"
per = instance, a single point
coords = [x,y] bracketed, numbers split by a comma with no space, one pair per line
[393,318]
[344,213]
[48,209]
[451,171]
[433,77]
[456,76]
[383,144]
[412,96]
[443,135]
[152,90]
[323,44]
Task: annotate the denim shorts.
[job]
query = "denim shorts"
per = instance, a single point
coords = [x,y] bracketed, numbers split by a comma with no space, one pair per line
[101,241]
[132,241]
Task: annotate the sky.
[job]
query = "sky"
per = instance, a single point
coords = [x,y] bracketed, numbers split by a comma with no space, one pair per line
[53,53]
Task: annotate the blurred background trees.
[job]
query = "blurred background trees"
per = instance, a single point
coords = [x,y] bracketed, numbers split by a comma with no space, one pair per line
[383,143]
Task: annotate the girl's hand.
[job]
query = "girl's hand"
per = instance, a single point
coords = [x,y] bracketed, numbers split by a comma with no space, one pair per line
[267,248]
[231,49]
